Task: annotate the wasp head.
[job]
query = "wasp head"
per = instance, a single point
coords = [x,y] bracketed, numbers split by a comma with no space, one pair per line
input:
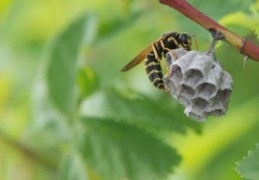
[186,41]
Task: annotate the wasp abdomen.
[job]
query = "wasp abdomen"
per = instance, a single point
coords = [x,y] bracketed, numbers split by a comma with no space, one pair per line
[154,70]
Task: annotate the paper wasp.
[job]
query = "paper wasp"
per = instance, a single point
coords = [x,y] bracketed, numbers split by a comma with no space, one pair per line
[153,54]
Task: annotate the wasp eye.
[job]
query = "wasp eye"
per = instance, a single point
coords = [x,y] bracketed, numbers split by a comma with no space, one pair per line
[184,38]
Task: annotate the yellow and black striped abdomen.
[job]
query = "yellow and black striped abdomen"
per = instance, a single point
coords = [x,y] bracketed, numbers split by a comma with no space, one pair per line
[154,70]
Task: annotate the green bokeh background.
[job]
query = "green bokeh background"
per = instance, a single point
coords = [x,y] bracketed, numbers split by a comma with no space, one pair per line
[36,140]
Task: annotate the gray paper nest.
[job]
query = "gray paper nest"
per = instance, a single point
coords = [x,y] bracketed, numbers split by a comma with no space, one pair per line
[199,83]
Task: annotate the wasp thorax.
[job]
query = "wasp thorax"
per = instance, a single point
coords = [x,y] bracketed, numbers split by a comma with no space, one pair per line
[198,81]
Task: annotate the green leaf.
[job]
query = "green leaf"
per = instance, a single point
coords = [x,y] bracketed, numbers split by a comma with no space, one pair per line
[61,73]
[249,166]
[72,167]
[254,18]
[239,22]
[217,9]
[87,81]
[111,27]
[155,114]
[115,150]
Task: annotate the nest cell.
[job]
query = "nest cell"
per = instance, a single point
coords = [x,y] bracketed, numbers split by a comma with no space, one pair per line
[206,90]
[177,75]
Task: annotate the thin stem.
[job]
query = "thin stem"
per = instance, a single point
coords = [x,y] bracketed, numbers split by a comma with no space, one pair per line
[29,153]
[242,45]
[216,36]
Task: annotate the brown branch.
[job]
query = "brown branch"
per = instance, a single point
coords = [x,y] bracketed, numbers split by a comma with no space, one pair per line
[242,45]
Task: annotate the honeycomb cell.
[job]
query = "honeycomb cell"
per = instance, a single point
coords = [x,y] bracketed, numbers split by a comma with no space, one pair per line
[207,90]
[182,99]
[187,91]
[215,112]
[177,74]
[193,77]
[194,113]
[222,96]
[170,85]
[200,103]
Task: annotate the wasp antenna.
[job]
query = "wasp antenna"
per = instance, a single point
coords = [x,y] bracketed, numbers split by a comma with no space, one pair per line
[124,69]
[195,41]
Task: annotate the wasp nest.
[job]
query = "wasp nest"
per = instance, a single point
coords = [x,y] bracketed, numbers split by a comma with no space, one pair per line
[198,82]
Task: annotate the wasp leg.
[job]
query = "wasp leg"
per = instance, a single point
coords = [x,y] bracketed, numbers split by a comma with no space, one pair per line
[168,74]
[155,51]
[169,50]
[196,43]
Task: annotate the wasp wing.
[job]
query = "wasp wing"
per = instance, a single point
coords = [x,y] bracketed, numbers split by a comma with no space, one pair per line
[138,59]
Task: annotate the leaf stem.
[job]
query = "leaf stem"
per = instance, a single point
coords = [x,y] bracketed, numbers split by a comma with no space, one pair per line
[244,46]
[29,153]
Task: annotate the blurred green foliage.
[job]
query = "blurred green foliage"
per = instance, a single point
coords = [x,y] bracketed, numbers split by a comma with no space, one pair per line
[67,112]
[249,166]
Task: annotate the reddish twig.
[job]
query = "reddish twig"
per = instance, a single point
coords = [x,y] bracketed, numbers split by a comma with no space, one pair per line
[242,45]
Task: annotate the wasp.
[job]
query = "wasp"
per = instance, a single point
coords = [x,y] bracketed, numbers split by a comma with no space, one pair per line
[153,55]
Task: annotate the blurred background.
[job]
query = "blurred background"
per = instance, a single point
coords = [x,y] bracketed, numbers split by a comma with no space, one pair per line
[84,119]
